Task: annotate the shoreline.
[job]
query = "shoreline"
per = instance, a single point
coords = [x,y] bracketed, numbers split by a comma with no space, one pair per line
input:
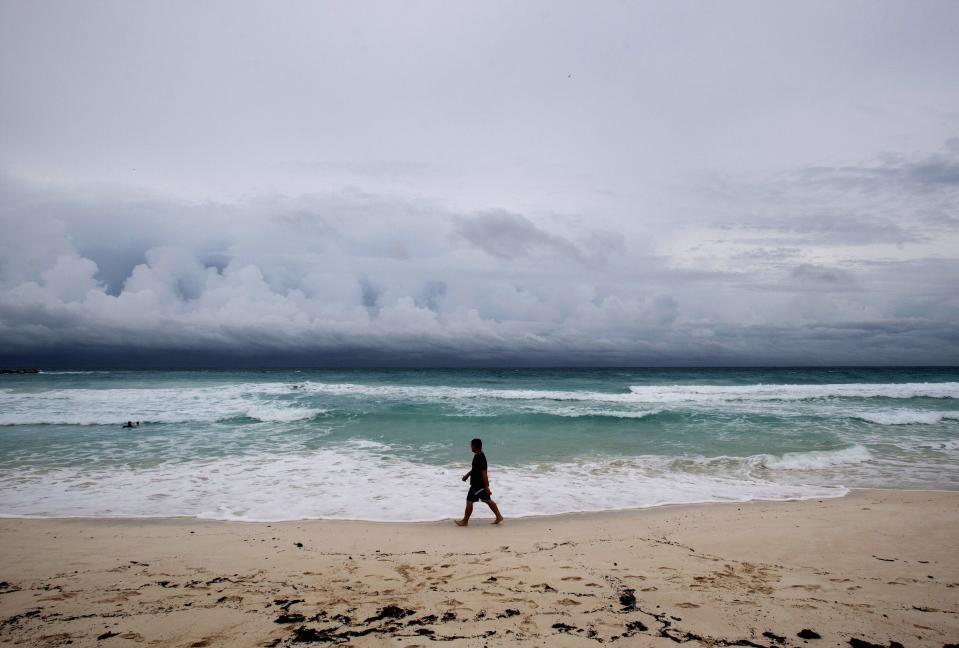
[875,565]
[478,512]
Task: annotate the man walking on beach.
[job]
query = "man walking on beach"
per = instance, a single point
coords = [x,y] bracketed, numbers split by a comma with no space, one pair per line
[479,485]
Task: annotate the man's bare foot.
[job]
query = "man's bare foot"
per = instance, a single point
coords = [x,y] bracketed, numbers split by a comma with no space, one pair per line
[497,520]
[461,522]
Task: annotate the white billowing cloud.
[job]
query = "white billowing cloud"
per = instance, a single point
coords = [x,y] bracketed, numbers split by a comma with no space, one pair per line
[70,279]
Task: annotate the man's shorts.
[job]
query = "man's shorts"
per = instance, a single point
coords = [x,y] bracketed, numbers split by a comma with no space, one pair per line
[477,493]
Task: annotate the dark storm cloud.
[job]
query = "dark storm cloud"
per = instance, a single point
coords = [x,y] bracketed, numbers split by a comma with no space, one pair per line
[821,274]
[934,173]
[509,236]
[894,200]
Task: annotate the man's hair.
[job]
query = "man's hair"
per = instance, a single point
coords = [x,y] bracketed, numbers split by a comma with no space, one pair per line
[477,443]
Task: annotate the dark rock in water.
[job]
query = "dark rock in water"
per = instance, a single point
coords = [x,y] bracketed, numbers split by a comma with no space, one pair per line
[290,618]
[427,620]
[298,544]
[508,613]
[491,579]
[861,643]
[806,633]
[448,616]
[19,370]
[895,644]
[107,635]
[342,618]
[636,626]
[425,631]
[774,637]
[390,612]
[627,598]
[562,627]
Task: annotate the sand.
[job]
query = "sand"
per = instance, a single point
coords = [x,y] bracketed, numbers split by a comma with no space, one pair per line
[876,566]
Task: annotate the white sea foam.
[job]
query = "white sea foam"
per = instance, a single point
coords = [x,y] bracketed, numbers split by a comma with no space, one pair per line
[365,481]
[657,394]
[722,393]
[817,459]
[579,412]
[269,412]
[763,466]
[154,405]
[182,404]
[905,417]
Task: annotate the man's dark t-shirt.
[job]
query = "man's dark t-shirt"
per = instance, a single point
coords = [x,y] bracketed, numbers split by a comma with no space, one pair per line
[479,465]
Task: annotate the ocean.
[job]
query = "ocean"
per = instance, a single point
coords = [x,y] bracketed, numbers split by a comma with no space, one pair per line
[393,444]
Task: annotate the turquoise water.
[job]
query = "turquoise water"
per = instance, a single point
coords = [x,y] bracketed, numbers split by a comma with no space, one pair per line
[391,445]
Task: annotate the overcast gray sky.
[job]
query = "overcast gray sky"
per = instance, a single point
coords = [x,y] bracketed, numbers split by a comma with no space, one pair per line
[463,183]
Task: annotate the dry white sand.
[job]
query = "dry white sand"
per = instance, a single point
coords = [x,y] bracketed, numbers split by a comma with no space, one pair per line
[876,566]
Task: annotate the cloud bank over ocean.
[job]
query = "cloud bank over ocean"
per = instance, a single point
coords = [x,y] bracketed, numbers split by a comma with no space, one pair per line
[521,205]
[390,279]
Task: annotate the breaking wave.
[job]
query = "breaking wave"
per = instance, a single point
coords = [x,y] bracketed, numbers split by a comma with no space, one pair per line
[906,417]
[360,481]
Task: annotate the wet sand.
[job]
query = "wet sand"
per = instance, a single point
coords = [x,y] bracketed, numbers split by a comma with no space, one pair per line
[879,567]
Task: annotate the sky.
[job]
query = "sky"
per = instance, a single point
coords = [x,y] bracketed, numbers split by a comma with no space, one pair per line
[462,184]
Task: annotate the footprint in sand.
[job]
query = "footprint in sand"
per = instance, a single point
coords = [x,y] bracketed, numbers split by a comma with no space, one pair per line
[57,597]
[572,578]
[404,571]
[686,604]
[567,601]
[119,597]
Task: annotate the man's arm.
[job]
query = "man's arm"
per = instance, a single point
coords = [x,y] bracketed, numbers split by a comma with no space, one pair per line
[467,475]
[489,491]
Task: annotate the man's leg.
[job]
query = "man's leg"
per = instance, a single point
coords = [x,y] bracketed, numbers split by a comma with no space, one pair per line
[492,505]
[466,514]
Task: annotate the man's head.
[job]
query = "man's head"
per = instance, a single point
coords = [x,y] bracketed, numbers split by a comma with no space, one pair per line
[476,445]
